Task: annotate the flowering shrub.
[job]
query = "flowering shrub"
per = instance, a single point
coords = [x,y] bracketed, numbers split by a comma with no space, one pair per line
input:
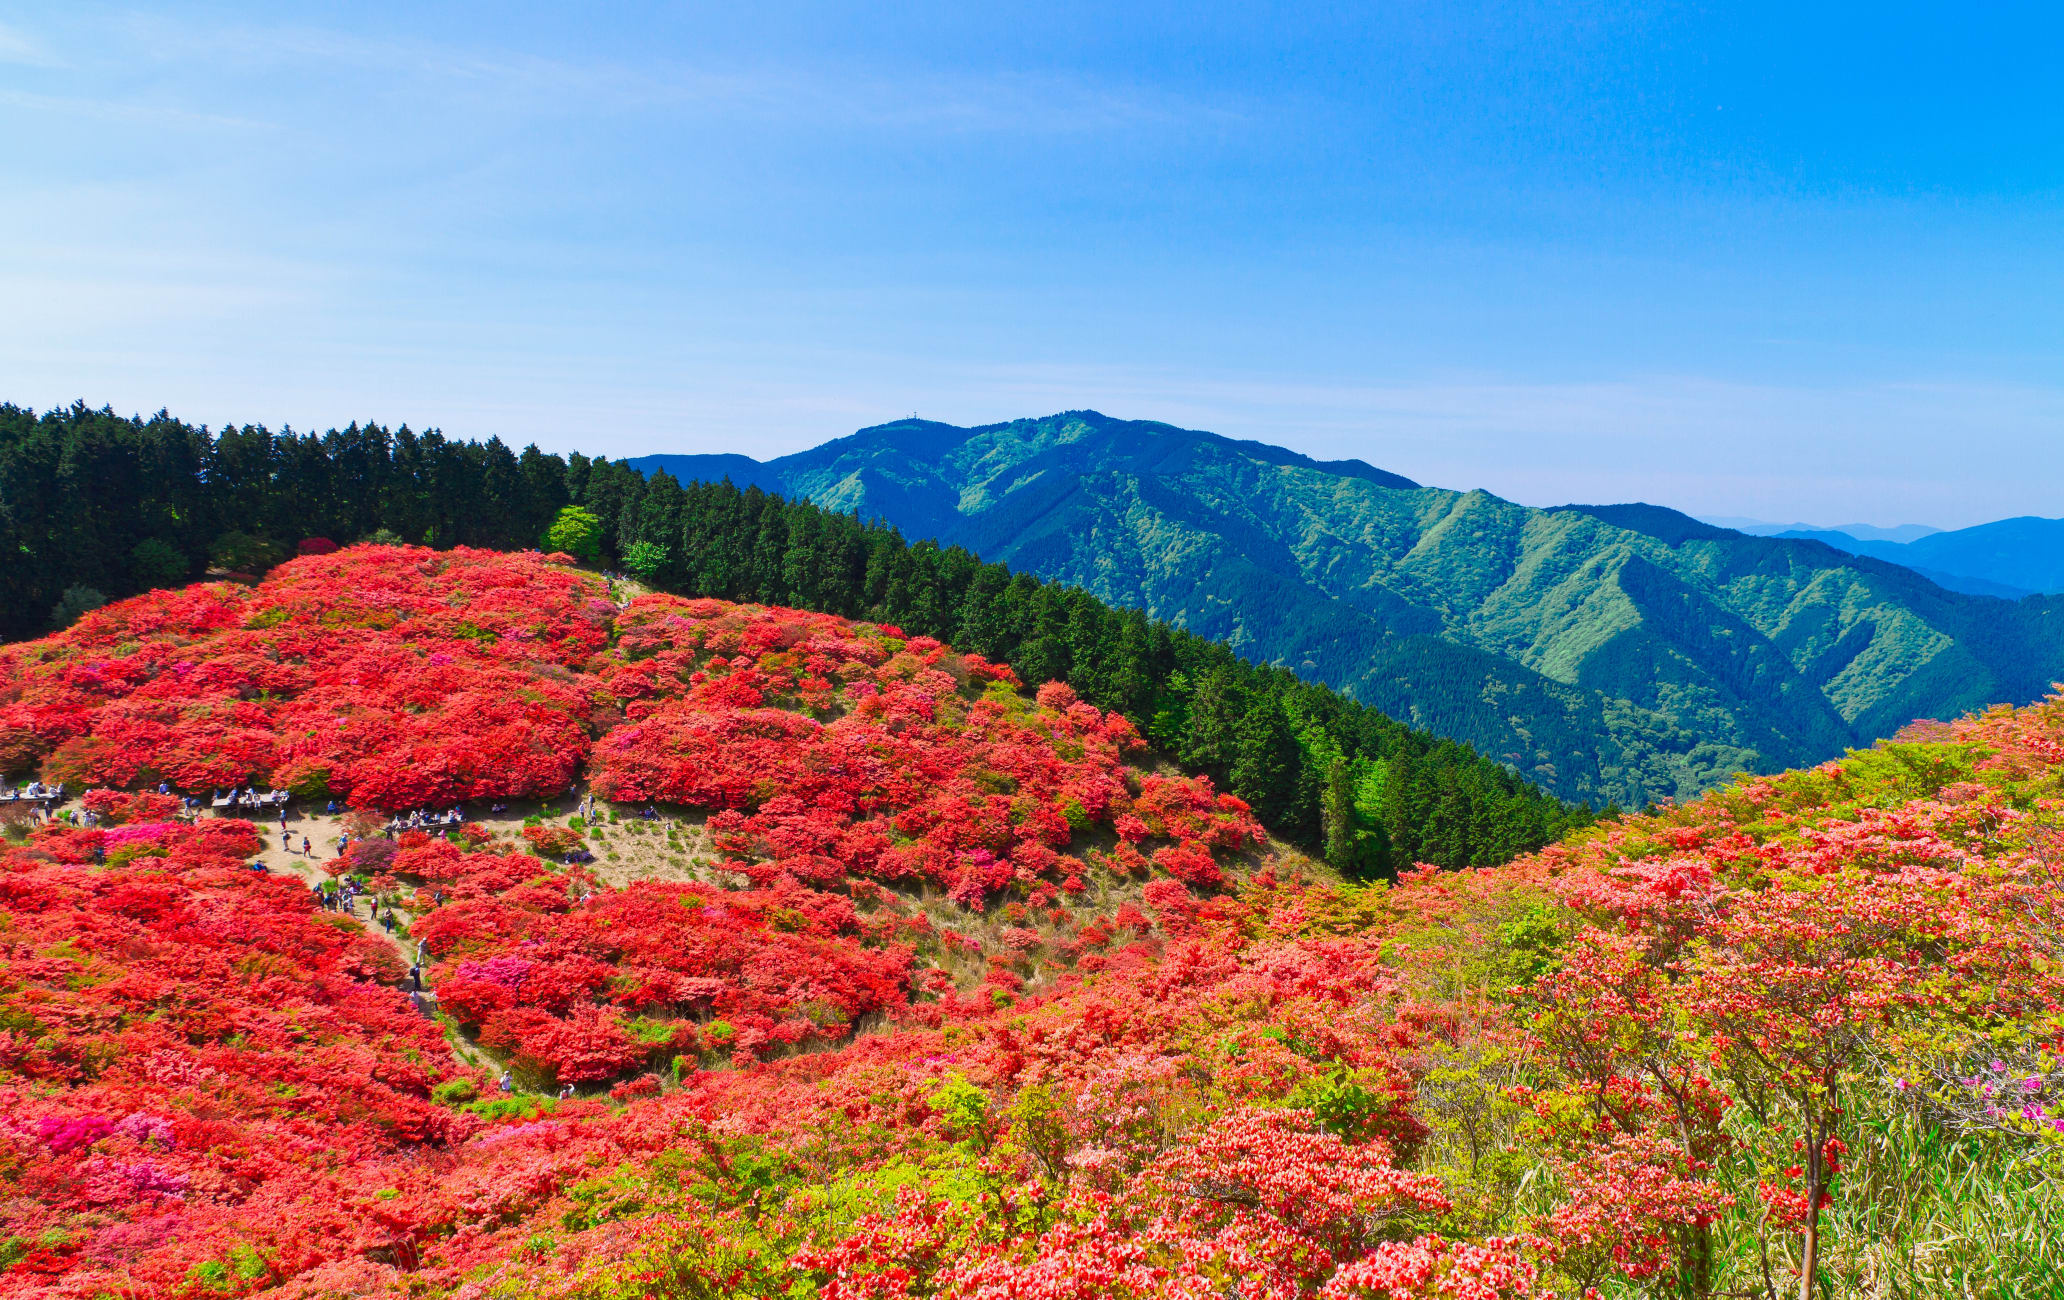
[114,807]
[584,993]
[196,1062]
[831,749]
[969,1003]
[390,676]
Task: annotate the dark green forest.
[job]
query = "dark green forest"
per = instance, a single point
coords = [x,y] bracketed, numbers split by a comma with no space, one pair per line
[96,506]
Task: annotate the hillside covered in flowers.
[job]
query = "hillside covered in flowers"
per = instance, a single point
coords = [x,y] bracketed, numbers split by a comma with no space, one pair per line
[961,990]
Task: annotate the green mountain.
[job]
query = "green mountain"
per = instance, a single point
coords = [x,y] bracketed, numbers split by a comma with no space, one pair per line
[1621,652]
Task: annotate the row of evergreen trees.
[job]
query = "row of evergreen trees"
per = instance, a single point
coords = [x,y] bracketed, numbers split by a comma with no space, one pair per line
[92,500]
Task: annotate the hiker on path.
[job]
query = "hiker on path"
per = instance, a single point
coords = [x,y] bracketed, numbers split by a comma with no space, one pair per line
[307,848]
[415,977]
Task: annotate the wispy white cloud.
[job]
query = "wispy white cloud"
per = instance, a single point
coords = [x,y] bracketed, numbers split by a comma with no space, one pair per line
[127,111]
[998,101]
[18,47]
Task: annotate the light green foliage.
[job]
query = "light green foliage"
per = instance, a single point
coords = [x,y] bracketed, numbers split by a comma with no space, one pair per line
[455,1092]
[963,1108]
[1340,1103]
[1474,1132]
[577,532]
[1917,1213]
[243,1267]
[645,558]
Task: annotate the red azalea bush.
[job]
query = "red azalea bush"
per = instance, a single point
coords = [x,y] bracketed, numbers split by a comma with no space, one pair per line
[115,807]
[640,969]
[833,749]
[968,1004]
[392,677]
[195,1062]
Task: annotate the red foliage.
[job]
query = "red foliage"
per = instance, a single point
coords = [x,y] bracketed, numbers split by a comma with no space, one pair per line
[391,676]
[195,1057]
[208,1085]
[822,739]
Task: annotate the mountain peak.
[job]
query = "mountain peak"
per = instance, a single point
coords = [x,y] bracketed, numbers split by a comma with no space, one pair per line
[1660,522]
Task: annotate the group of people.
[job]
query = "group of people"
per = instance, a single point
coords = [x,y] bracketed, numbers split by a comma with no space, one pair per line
[33,792]
[422,821]
[342,896]
[239,797]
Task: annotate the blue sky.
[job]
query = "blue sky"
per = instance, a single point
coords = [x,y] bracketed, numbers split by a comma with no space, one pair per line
[1740,260]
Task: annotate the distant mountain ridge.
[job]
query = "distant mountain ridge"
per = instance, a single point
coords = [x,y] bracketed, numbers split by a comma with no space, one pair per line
[1627,652]
[2007,557]
[1861,532]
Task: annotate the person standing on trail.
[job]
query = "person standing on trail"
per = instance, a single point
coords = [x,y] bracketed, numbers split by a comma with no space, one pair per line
[307,848]
[286,841]
[422,951]
[415,978]
[508,1084]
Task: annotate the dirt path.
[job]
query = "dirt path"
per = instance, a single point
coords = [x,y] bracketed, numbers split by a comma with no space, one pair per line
[322,833]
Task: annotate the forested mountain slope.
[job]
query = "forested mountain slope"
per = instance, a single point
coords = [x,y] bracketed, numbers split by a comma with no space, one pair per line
[1623,652]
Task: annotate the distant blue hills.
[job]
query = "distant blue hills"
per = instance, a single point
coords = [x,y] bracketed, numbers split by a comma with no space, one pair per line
[2008,558]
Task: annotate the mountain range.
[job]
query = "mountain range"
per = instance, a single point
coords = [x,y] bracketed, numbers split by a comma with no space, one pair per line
[1609,652]
[1861,532]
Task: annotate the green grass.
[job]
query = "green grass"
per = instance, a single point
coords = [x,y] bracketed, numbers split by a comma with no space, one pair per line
[1920,1214]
